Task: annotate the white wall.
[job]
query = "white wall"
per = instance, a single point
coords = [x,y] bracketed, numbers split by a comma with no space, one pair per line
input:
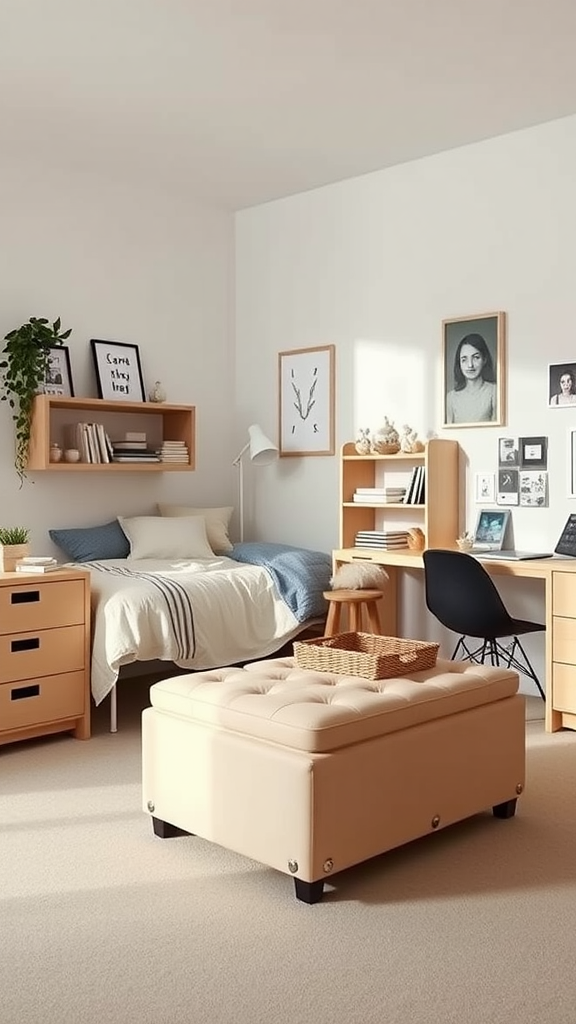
[131,265]
[374,264]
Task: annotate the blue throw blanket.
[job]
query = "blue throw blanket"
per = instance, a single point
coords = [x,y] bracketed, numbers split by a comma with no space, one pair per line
[299,574]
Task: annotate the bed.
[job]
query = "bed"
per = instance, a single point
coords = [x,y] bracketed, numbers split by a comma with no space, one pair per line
[198,610]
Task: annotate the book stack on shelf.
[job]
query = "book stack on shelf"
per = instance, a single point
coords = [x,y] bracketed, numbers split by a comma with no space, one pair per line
[379,495]
[387,539]
[91,440]
[174,451]
[133,447]
[416,490]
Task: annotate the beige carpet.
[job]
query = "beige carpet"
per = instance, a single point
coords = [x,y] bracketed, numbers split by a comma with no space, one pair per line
[100,922]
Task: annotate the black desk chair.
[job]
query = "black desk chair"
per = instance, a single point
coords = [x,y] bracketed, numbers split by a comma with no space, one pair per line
[462,596]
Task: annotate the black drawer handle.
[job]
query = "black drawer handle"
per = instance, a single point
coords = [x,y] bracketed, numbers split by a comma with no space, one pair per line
[24,596]
[29,644]
[25,691]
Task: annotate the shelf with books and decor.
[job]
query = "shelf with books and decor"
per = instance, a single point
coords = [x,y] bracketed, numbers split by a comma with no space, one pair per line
[111,436]
[388,500]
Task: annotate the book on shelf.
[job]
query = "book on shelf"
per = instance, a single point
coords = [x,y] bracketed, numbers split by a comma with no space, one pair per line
[120,446]
[135,459]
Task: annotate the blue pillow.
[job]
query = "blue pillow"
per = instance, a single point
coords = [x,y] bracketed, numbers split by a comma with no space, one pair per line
[91,543]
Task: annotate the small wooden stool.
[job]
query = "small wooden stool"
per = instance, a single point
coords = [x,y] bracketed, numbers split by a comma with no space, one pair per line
[354,601]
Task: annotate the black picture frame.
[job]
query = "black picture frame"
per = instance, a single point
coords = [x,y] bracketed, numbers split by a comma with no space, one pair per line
[118,371]
[58,376]
[561,385]
[533,453]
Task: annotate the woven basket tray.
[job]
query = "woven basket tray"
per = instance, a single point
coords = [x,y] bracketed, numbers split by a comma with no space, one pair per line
[365,654]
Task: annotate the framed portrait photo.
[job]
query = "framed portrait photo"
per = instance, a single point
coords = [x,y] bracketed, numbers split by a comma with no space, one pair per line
[306,378]
[474,369]
[561,385]
[118,371]
[58,377]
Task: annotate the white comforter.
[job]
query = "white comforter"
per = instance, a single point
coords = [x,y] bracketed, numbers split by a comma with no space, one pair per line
[210,613]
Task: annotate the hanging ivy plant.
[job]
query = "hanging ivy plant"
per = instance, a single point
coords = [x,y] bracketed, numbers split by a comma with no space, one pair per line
[23,371]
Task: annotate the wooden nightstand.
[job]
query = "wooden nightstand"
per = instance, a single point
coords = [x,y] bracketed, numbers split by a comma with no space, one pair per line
[44,654]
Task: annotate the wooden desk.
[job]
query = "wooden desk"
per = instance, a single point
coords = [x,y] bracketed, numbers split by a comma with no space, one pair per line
[559,578]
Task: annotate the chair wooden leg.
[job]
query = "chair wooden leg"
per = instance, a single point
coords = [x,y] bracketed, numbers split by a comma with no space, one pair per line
[355,612]
[373,617]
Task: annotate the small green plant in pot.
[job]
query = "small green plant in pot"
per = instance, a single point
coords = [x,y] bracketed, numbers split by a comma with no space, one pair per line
[13,546]
[23,371]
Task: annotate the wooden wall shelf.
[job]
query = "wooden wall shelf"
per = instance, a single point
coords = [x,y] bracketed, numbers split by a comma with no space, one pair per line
[52,415]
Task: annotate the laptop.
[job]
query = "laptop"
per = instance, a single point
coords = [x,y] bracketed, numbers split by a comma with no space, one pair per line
[489,536]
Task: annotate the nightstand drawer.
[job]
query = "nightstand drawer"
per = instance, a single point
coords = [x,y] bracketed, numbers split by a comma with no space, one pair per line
[44,652]
[40,605]
[37,701]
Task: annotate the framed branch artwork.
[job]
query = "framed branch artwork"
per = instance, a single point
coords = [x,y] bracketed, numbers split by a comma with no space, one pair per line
[473,357]
[306,379]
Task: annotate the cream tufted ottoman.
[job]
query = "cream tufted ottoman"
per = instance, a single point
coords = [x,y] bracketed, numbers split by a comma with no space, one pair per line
[311,773]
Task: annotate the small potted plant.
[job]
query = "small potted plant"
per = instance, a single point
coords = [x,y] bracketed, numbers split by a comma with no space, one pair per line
[13,546]
[23,371]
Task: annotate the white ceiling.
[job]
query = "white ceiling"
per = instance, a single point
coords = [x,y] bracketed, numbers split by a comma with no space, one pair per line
[243,101]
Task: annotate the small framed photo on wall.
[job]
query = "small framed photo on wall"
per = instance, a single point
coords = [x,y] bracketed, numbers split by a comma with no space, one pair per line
[474,369]
[561,385]
[485,490]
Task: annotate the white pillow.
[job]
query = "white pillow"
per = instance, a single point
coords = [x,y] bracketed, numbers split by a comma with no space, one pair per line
[154,537]
[217,523]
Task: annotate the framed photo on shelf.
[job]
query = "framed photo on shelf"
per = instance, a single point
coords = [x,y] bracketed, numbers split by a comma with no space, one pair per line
[561,385]
[474,370]
[58,378]
[118,371]
[306,378]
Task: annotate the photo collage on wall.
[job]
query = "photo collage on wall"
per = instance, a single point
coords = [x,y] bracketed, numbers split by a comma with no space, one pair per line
[523,471]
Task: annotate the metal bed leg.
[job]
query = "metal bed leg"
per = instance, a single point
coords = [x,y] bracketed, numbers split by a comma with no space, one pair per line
[113,710]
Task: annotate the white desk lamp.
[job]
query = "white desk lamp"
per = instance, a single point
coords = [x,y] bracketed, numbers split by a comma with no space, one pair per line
[262,452]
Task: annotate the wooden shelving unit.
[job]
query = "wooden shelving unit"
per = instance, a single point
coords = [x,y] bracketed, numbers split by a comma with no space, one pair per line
[51,416]
[437,516]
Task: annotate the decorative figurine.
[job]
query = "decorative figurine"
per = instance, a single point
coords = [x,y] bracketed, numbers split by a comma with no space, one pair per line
[157,393]
[386,441]
[362,445]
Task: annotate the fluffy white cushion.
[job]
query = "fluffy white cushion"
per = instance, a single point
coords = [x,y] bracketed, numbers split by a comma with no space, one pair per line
[356,576]
[155,537]
[217,523]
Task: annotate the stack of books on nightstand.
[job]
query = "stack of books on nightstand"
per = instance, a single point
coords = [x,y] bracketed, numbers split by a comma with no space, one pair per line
[37,564]
[173,451]
[388,539]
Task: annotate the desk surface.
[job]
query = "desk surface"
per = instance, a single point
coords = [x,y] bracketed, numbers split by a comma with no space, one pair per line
[559,578]
[533,568]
